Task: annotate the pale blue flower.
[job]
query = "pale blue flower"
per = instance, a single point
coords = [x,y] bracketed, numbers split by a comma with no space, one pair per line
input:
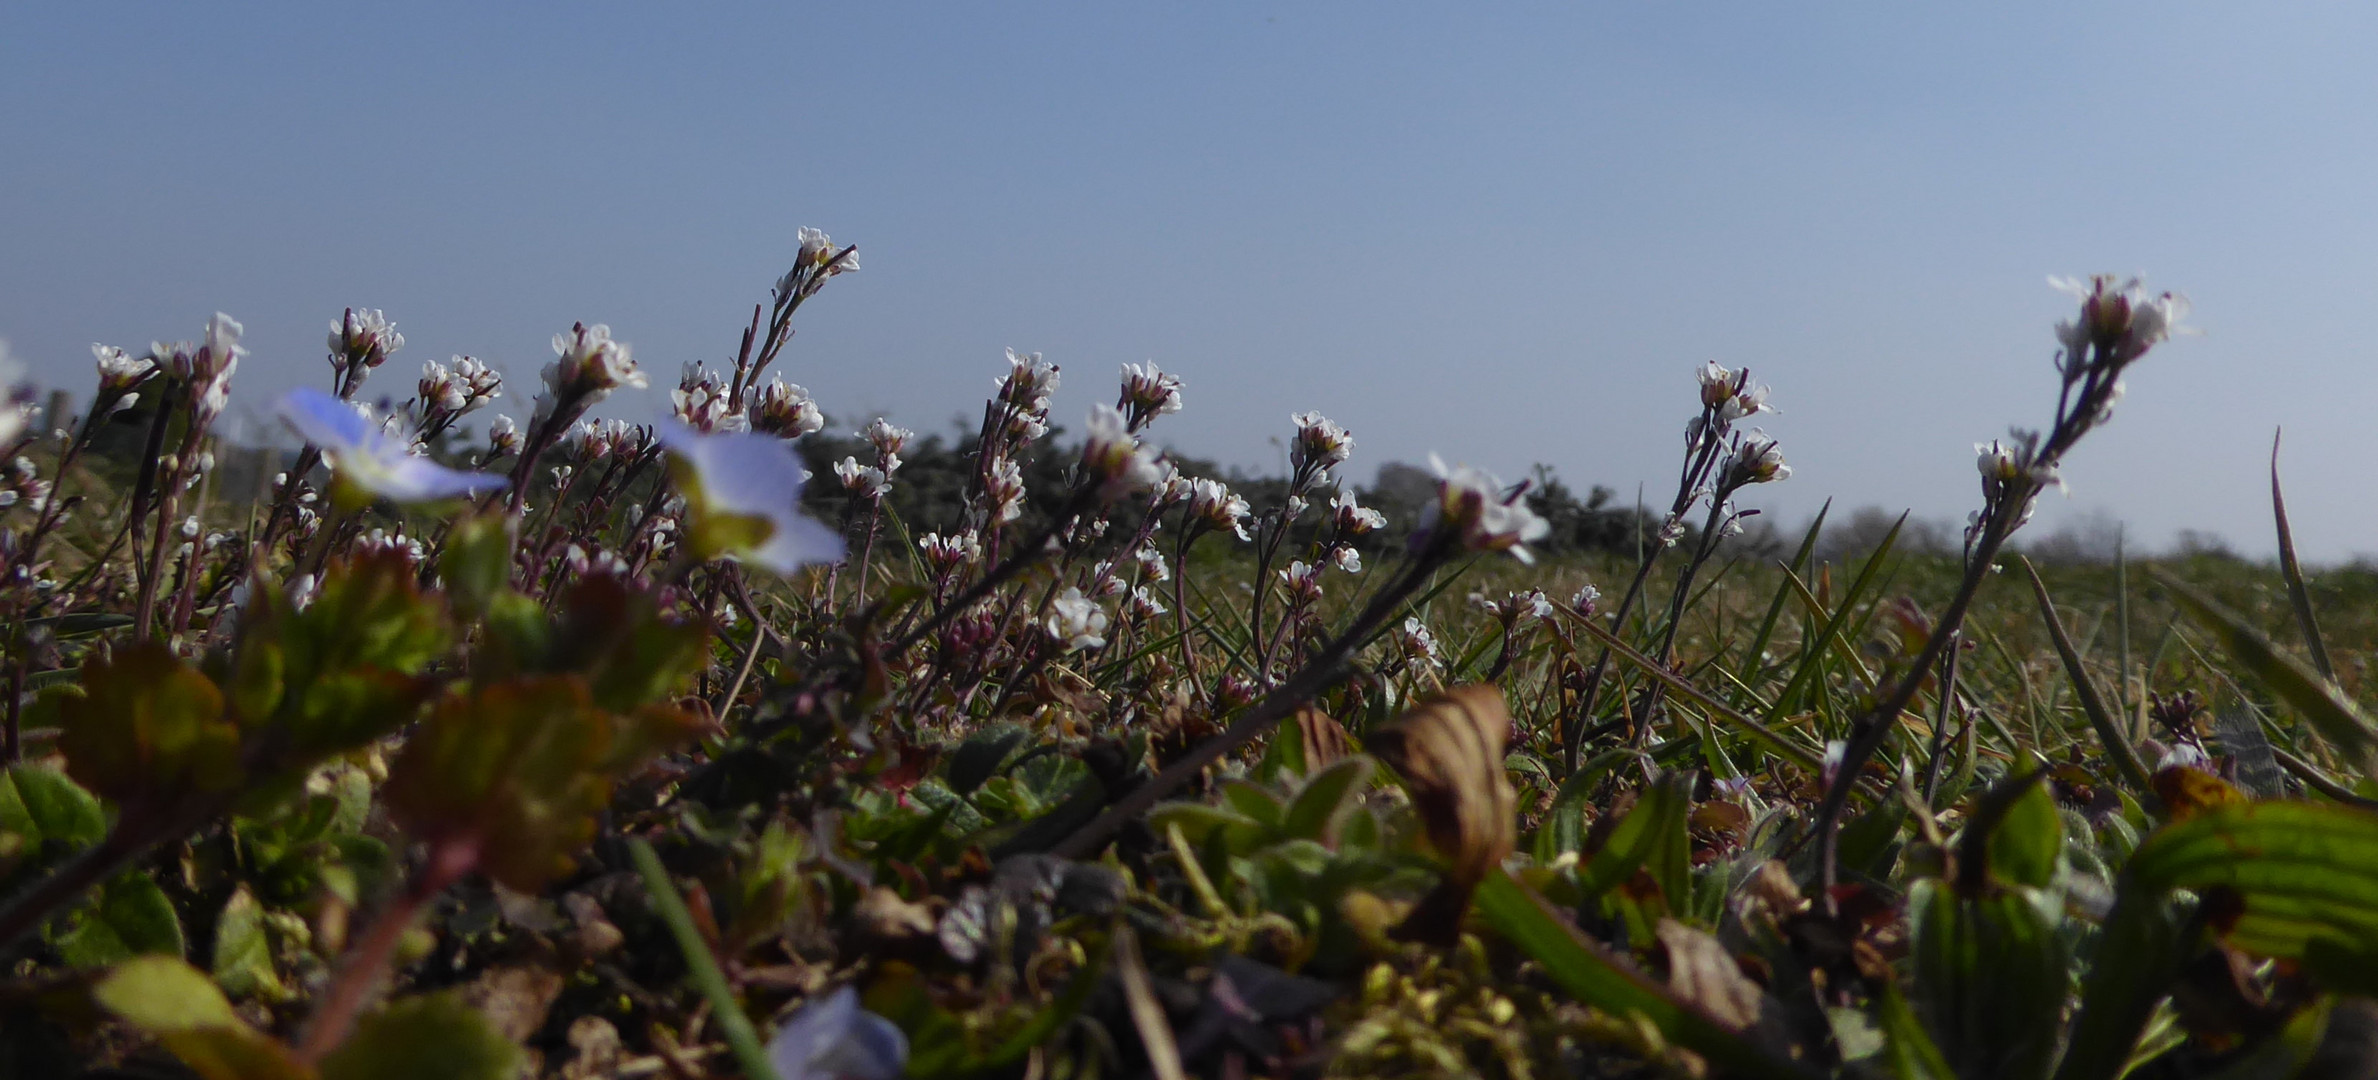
[832,1038]
[744,491]
[367,457]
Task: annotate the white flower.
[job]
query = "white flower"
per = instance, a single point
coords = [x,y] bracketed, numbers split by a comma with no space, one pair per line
[700,401]
[2122,320]
[588,363]
[1415,642]
[120,371]
[503,437]
[365,457]
[1731,394]
[1211,502]
[1076,620]
[786,411]
[865,481]
[1143,604]
[1003,490]
[1354,519]
[834,1039]
[887,438]
[743,495]
[1757,460]
[1029,382]
[1152,566]
[363,337]
[946,553]
[1149,392]
[1346,559]
[1302,581]
[1586,599]
[1471,506]
[1117,458]
[1319,447]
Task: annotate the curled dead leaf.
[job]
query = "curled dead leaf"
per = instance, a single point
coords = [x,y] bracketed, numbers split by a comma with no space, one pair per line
[1449,749]
[1323,739]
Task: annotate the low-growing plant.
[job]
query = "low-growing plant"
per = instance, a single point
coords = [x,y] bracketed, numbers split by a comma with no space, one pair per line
[577,747]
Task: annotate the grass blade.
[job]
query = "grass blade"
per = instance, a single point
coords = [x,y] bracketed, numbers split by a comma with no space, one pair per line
[2116,742]
[2337,717]
[2288,568]
[1601,981]
[750,1053]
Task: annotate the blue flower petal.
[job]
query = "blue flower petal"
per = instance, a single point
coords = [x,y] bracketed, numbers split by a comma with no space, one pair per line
[322,419]
[743,473]
[834,1039]
[417,479]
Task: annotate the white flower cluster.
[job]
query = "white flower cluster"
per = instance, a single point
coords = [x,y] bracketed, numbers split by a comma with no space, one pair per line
[785,410]
[1148,392]
[1077,621]
[1321,445]
[1115,457]
[701,401]
[1024,394]
[360,341]
[458,388]
[1472,509]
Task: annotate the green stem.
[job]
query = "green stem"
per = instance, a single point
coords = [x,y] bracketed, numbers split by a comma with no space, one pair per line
[749,1051]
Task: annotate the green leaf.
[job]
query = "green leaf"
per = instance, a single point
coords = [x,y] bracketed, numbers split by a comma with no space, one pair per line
[1326,799]
[1652,836]
[43,806]
[2287,880]
[1907,1050]
[978,758]
[2334,714]
[1253,801]
[1603,982]
[435,1035]
[476,562]
[1991,977]
[132,918]
[2027,845]
[145,728]
[243,962]
[182,1008]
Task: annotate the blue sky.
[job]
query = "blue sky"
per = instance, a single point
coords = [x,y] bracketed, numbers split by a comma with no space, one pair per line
[1505,233]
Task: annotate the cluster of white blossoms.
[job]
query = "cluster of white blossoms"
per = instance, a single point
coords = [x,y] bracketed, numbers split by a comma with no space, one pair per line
[1320,445]
[1148,392]
[1586,600]
[943,555]
[1024,393]
[1351,517]
[1077,621]
[591,442]
[2118,322]
[1527,604]
[1416,645]
[1212,504]
[204,369]
[587,366]
[360,341]
[1143,604]
[1115,458]
[1003,490]
[460,387]
[1756,460]
[704,402]
[786,411]
[1302,582]
[121,373]
[1729,395]
[815,260]
[869,482]
[1471,508]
